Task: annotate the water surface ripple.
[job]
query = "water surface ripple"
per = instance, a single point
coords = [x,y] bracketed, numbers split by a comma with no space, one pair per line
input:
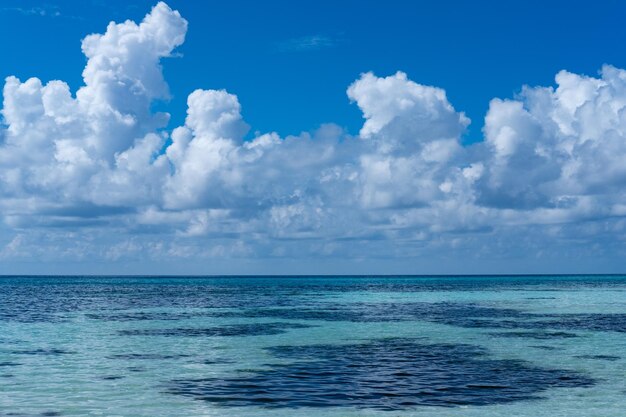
[308,346]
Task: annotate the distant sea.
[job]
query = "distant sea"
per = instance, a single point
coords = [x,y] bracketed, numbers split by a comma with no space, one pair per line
[313,346]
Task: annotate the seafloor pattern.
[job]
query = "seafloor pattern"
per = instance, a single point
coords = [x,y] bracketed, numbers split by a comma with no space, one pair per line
[296,346]
[386,374]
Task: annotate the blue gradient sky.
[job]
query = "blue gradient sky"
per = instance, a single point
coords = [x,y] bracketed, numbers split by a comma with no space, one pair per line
[474,50]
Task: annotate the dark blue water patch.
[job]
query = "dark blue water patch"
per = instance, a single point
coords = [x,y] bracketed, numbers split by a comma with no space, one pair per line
[44,414]
[9,363]
[591,322]
[31,300]
[136,368]
[544,347]
[540,298]
[390,374]
[147,356]
[219,361]
[599,357]
[40,299]
[148,316]
[565,322]
[43,352]
[252,329]
[111,377]
[135,316]
[467,315]
[539,335]
[445,312]
[7,376]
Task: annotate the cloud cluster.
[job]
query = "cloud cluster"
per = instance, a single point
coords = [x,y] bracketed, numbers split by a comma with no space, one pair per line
[103,168]
[559,152]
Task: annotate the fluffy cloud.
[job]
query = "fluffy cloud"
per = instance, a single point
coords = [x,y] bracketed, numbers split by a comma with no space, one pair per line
[559,150]
[103,169]
[66,156]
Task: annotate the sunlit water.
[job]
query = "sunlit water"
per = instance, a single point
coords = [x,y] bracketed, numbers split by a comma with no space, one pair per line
[314,346]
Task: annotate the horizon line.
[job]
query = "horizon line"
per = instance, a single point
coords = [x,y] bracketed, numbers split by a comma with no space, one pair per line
[303,275]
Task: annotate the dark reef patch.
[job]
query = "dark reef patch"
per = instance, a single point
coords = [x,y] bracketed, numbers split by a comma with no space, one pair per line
[50,299]
[539,335]
[148,315]
[111,377]
[135,316]
[147,356]
[592,322]
[389,374]
[599,357]
[43,352]
[467,315]
[444,312]
[543,347]
[252,329]
[219,361]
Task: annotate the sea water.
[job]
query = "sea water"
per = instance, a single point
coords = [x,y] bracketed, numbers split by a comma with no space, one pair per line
[313,346]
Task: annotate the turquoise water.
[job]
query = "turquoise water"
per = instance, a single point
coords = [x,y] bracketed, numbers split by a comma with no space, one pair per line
[313,346]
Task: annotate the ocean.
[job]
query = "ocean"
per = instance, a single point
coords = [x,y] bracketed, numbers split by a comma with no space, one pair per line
[313,346]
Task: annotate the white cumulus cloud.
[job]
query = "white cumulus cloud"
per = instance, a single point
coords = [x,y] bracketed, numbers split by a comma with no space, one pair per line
[98,175]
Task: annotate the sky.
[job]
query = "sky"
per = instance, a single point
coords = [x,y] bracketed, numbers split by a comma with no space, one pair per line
[321,137]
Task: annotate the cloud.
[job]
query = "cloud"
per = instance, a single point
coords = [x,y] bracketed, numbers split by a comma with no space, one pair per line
[98,175]
[44,11]
[47,11]
[559,149]
[62,152]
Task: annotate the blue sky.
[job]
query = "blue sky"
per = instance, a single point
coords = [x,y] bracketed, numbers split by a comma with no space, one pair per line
[474,50]
[305,150]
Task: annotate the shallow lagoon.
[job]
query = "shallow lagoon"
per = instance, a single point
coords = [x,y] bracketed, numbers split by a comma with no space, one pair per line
[303,346]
